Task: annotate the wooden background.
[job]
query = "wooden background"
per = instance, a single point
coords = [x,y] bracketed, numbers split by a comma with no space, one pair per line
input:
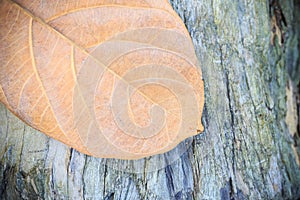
[250,147]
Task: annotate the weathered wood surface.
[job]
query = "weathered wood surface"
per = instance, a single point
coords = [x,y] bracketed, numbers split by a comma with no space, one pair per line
[249,147]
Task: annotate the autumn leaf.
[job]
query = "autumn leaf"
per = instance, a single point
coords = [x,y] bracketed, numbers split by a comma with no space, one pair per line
[112,79]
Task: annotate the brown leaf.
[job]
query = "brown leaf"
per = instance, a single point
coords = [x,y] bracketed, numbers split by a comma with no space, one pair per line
[114,79]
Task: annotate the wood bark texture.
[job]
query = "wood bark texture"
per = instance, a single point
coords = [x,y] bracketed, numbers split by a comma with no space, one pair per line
[250,146]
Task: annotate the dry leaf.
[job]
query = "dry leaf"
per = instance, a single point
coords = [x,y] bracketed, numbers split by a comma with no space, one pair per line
[110,78]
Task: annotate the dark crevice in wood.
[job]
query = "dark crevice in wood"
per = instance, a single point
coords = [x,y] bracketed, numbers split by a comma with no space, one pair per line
[69,170]
[110,196]
[170,183]
[232,119]
[4,182]
[8,187]
[22,146]
[52,184]
[104,179]
[82,178]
